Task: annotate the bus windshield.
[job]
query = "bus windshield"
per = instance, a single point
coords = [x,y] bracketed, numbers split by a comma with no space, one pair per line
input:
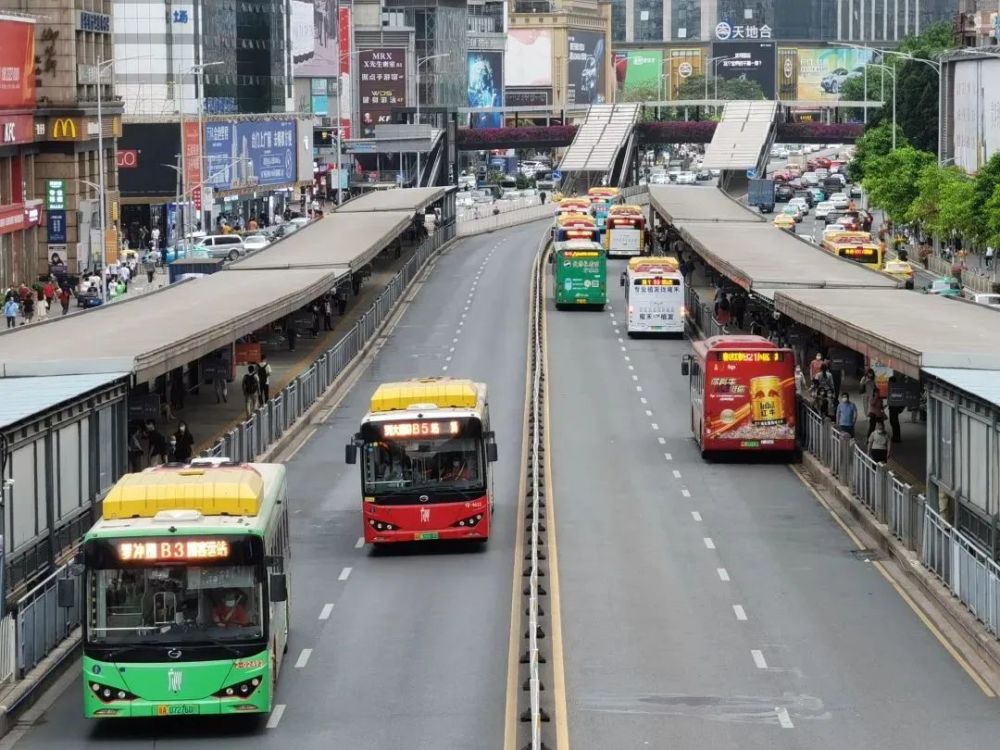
[174,604]
[422,465]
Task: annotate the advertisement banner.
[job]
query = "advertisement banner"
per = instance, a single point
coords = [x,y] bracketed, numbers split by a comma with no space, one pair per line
[302,32]
[249,154]
[17,129]
[381,86]
[17,63]
[585,77]
[192,163]
[55,222]
[968,113]
[529,57]
[683,64]
[639,71]
[323,61]
[821,72]
[748,61]
[485,87]
[527,97]
[344,89]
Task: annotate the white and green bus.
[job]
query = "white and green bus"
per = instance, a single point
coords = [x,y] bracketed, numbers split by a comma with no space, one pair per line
[185,592]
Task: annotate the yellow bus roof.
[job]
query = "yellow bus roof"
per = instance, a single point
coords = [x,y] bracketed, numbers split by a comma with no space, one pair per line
[653,264]
[213,491]
[576,219]
[440,393]
[625,209]
[604,191]
[574,201]
[848,236]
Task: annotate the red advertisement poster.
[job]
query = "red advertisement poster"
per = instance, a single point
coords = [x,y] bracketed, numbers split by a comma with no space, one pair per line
[192,163]
[344,39]
[17,64]
[750,399]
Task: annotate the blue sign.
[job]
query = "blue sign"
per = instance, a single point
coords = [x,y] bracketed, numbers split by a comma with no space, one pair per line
[56,225]
[556,174]
[320,105]
[180,16]
[250,154]
[751,174]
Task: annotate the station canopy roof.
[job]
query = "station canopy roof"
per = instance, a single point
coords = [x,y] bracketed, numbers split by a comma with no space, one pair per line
[411,199]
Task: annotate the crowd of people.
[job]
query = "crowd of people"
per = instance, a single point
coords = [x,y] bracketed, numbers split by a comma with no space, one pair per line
[147,446]
[23,305]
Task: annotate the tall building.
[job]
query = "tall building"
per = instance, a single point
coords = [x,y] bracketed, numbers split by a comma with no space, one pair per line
[20,199]
[788,20]
[217,62]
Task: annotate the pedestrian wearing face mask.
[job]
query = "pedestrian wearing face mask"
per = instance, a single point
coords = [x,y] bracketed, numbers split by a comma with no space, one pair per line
[183,444]
[847,415]
[229,611]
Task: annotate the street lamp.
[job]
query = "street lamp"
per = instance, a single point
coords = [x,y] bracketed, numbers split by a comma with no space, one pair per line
[892,70]
[99,188]
[713,66]
[416,120]
[198,70]
[340,189]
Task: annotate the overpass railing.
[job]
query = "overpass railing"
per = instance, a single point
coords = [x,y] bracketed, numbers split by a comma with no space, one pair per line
[492,222]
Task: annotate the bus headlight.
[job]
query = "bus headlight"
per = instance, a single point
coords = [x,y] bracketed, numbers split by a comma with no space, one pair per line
[382,525]
[239,690]
[470,522]
[108,694]
[684,311]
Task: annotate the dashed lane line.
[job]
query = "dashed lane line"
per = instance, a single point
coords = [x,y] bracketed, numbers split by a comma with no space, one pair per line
[783,718]
[344,574]
[324,614]
[303,659]
[696,515]
[275,718]
[677,474]
[709,544]
[758,658]
[360,543]
[740,613]
[723,574]
[686,492]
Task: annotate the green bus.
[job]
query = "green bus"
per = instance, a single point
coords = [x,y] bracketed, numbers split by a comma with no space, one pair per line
[580,274]
[185,592]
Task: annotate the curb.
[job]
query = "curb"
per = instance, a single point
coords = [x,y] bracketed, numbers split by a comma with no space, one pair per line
[946,605]
[24,693]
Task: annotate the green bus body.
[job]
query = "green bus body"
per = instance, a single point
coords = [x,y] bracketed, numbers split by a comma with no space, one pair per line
[580,273]
[136,665]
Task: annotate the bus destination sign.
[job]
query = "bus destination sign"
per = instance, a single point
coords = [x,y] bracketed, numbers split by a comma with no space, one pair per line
[173,550]
[750,356]
[657,281]
[421,429]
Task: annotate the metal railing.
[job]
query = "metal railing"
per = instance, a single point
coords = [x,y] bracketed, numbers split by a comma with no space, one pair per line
[41,623]
[888,498]
[492,222]
[266,425]
[8,648]
[537,375]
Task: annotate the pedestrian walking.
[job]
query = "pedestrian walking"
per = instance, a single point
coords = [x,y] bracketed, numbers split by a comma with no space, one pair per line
[341,303]
[10,310]
[183,444]
[801,385]
[876,411]
[847,415]
[219,382]
[157,445]
[879,444]
[989,257]
[28,308]
[150,265]
[264,376]
[135,449]
[814,367]
[291,332]
[327,313]
[314,309]
[251,386]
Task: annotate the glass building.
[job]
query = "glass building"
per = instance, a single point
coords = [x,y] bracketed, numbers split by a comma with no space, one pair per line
[440,42]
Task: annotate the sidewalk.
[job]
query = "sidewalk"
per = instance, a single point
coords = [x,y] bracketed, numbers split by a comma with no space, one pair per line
[908,458]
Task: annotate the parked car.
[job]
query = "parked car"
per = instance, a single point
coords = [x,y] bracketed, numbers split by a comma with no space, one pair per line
[945,286]
[220,246]
[990,300]
[255,242]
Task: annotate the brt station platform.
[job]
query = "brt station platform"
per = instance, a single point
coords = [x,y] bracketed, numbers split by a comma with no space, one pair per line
[942,355]
[74,388]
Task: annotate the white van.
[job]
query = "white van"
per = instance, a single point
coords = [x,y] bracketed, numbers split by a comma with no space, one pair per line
[222,246]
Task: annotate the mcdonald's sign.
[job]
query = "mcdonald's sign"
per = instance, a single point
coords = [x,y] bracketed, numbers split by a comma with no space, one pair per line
[64,129]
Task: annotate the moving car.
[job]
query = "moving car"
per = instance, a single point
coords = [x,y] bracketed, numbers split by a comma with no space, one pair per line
[990,300]
[783,221]
[945,286]
[255,242]
[220,246]
[703,175]
[823,209]
[900,269]
[801,204]
[686,178]
[793,211]
[840,201]
[783,193]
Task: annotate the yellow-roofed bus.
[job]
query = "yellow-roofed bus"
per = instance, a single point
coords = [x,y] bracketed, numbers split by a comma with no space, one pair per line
[426,452]
[185,592]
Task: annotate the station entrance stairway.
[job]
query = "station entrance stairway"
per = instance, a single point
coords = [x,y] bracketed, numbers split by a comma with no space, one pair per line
[601,151]
[741,144]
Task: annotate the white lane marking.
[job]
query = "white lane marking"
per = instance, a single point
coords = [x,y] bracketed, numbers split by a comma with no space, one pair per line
[631,368]
[276,713]
[344,574]
[324,614]
[669,456]
[643,400]
[448,358]
[451,350]
[454,341]
[741,614]
[612,313]
[686,493]
[648,412]
[723,574]
[628,358]
[662,441]
[758,658]
[635,377]
[444,369]
[638,389]
[677,474]
[360,543]
[467,308]
[303,659]
[620,339]
[784,719]
[624,349]
[696,515]
[463,316]
[708,542]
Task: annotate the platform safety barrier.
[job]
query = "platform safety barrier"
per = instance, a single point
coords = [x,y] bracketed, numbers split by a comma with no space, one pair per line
[40,624]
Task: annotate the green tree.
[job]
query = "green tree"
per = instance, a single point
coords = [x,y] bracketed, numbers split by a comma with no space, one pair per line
[984,189]
[917,104]
[991,211]
[891,180]
[730,89]
[933,40]
[944,201]
[874,144]
[956,212]
[854,89]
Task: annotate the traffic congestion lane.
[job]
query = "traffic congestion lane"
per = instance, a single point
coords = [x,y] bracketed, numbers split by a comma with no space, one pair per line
[408,648]
[839,649]
[655,651]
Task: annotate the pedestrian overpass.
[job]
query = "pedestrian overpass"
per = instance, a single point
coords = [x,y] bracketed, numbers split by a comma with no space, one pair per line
[601,151]
[741,144]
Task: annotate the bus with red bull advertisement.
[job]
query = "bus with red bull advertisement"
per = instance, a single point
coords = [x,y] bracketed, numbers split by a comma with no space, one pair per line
[426,462]
[625,232]
[576,227]
[742,395]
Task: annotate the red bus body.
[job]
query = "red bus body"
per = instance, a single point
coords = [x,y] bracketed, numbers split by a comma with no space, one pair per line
[742,395]
[434,521]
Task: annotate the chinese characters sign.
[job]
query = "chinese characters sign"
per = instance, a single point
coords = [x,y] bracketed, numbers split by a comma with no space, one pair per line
[192,163]
[382,86]
[748,61]
[724,31]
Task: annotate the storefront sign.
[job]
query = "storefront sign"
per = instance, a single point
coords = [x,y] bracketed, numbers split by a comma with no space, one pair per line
[97,22]
[65,128]
[247,353]
[16,128]
[725,31]
[192,163]
[11,218]
[32,216]
[128,158]
[17,63]
[344,33]
[55,222]
[55,194]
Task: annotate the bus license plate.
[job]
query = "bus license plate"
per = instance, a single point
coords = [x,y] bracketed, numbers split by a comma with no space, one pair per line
[425,535]
[176,709]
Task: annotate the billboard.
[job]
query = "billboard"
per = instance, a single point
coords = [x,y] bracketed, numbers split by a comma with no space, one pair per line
[155,144]
[529,57]
[682,64]
[976,112]
[749,61]
[381,86]
[821,72]
[301,31]
[191,148]
[484,78]
[639,70]
[322,63]
[586,67]
[17,63]
[344,51]
[247,154]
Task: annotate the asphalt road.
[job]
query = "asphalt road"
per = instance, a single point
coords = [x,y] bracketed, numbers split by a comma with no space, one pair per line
[414,652]
[711,605]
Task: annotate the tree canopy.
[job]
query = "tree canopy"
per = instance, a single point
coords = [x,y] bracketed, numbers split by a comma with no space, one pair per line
[876,142]
[729,88]
[891,180]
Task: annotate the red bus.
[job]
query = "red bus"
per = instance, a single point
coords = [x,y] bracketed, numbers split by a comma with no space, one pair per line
[742,395]
[426,462]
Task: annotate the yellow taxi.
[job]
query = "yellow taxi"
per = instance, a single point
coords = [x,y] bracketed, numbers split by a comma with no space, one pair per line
[784,221]
[901,270]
